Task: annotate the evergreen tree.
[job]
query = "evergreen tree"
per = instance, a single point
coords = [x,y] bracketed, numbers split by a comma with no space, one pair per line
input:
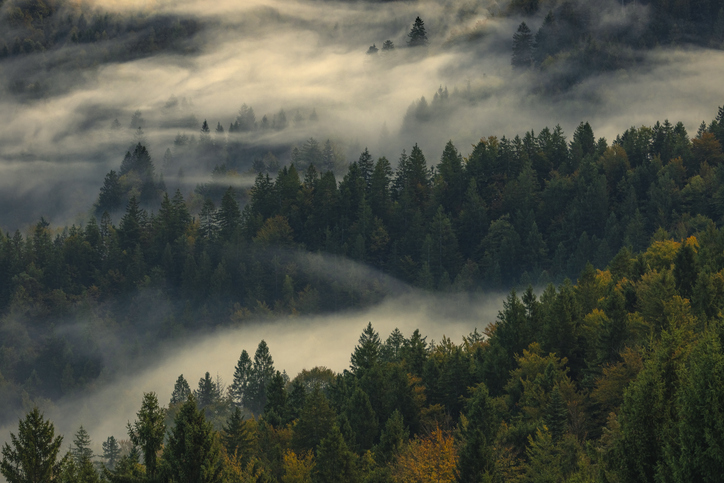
[334,461]
[192,453]
[275,409]
[208,392]
[148,430]
[392,439]
[477,457]
[32,455]
[228,217]
[111,196]
[242,375]
[522,47]
[262,372]
[367,353]
[315,422]
[181,391]
[417,36]
[111,452]
[237,437]
[556,417]
[388,46]
[81,449]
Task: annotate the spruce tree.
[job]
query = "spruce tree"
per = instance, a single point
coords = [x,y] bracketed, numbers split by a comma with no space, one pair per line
[192,453]
[32,455]
[208,391]
[81,449]
[111,452]
[242,375]
[237,437]
[556,417]
[334,461]
[262,372]
[522,47]
[367,353]
[148,430]
[181,391]
[417,36]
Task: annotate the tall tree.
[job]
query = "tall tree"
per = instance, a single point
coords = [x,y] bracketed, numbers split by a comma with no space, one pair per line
[148,430]
[32,455]
[81,449]
[522,47]
[193,451]
[181,390]
[242,375]
[111,452]
[417,36]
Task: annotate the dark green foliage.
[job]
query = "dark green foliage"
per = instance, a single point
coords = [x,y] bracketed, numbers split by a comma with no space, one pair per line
[315,422]
[367,353]
[477,458]
[262,372]
[208,392]
[192,453]
[522,47]
[81,449]
[32,454]
[242,374]
[237,438]
[181,391]
[147,432]
[111,452]
[334,461]
[417,36]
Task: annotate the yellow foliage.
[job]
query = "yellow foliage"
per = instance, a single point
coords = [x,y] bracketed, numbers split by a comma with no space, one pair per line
[432,459]
[693,243]
[298,469]
[660,254]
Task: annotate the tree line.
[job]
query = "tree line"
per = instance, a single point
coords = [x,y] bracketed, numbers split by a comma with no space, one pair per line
[529,210]
[599,381]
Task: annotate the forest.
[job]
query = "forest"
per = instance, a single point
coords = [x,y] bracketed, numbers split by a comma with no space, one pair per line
[560,387]
[599,381]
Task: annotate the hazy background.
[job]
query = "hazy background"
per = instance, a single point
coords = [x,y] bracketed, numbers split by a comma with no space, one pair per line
[294,343]
[300,55]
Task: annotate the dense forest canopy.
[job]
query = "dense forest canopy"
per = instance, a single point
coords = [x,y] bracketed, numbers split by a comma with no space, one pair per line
[530,210]
[605,361]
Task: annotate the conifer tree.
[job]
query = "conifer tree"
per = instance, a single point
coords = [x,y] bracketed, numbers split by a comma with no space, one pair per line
[417,36]
[193,453]
[366,354]
[32,455]
[111,452]
[262,372]
[242,375]
[556,417]
[522,47]
[148,430]
[181,390]
[334,461]
[237,436]
[208,392]
[81,449]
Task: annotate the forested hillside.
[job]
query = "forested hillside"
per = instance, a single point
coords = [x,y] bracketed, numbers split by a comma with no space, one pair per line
[594,382]
[531,210]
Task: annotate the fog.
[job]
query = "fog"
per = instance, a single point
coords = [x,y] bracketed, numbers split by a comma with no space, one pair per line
[300,55]
[295,344]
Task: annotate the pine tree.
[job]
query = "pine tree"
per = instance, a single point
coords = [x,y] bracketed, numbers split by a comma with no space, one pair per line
[334,461]
[228,217]
[275,409]
[477,456]
[81,449]
[181,391]
[242,374]
[148,430]
[208,392]
[237,437]
[262,372]
[392,439]
[556,417]
[522,47]
[417,36]
[111,452]
[32,455]
[366,354]
[110,197]
[192,453]
[388,46]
